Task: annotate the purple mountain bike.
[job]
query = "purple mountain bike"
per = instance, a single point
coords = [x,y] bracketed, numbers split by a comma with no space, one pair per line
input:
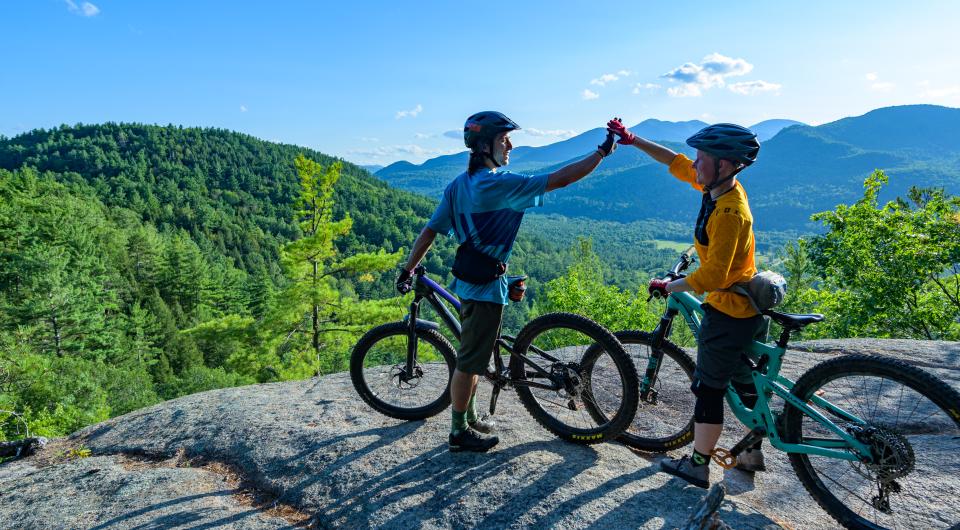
[571,374]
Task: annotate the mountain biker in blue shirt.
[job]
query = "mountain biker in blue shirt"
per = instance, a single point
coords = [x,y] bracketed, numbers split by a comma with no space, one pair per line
[483,208]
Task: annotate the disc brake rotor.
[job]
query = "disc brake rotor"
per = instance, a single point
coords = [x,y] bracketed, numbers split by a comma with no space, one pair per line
[404,380]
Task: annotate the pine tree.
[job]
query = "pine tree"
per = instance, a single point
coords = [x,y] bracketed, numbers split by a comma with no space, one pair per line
[311,305]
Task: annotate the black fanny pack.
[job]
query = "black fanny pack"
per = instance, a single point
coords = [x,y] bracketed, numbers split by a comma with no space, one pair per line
[473,266]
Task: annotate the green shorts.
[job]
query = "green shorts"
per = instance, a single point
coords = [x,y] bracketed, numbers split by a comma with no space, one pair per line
[721,341]
[480,322]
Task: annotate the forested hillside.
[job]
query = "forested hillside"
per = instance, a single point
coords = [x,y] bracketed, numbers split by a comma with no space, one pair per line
[140,263]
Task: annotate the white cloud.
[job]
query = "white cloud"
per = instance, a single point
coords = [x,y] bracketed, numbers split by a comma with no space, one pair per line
[686,90]
[589,94]
[747,88]
[554,133]
[876,84]
[710,73]
[369,139]
[412,113]
[394,152]
[941,93]
[422,136]
[610,78]
[85,9]
[604,79]
[454,134]
[243,108]
[639,87]
[726,66]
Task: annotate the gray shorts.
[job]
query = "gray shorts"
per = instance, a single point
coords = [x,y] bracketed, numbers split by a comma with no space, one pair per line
[480,323]
[722,339]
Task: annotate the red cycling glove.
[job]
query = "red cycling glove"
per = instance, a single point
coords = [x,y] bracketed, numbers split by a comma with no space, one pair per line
[658,288]
[616,126]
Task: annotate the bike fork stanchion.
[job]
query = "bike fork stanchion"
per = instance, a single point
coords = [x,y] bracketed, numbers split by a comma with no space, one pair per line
[412,337]
[662,331]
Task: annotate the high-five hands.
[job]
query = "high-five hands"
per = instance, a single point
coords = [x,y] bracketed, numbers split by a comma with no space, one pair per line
[608,146]
[616,126]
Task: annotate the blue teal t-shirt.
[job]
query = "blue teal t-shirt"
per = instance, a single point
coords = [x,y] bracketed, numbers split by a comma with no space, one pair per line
[487,207]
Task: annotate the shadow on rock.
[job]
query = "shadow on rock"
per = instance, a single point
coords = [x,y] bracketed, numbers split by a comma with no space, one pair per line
[440,480]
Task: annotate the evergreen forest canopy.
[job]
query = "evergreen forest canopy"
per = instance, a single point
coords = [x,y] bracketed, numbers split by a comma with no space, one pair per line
[140,263]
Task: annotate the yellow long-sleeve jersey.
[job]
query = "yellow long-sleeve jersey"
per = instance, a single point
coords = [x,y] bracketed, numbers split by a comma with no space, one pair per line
[724,241]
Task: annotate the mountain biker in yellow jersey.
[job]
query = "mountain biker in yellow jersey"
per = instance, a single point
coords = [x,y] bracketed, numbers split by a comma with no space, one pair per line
[483,208]
[724,240]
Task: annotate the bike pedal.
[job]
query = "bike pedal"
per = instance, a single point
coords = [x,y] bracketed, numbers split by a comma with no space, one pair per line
[724,458]
[572,405]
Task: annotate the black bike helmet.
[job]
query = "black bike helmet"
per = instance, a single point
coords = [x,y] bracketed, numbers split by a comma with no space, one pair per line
[727,141]
[483,127]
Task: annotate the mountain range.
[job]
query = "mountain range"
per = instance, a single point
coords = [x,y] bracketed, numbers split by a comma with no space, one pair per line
[430,177]
[801,169]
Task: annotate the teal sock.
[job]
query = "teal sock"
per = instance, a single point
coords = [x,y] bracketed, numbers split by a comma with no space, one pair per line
[699,459]
[459,422]
[472,409]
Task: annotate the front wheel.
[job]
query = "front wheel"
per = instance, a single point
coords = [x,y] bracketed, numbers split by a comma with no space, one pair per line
[664,419]
[910,421]
[379,373]
[570,349]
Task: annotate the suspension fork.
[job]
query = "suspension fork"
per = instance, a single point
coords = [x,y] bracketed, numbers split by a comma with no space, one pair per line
[412,336]
[660,333]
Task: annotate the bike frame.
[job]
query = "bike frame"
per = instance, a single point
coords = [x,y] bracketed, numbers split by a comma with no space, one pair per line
[765,361]
[432,292]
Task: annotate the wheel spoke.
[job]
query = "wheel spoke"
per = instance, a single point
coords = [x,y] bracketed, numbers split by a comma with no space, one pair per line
[914,442]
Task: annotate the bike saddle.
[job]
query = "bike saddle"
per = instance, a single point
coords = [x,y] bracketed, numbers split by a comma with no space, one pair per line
[792,321]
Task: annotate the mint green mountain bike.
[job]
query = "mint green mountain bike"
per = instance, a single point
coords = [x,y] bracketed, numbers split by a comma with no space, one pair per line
[874,440]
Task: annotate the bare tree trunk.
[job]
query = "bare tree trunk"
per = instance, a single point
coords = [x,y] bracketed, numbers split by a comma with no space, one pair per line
[57,339]
[316,319]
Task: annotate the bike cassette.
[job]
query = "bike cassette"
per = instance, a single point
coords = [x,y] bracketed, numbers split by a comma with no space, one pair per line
[724,458]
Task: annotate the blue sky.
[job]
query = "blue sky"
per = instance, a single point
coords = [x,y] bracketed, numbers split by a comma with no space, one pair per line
[379,81]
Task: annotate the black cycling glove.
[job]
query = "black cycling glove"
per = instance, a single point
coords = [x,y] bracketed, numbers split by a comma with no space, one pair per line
[608,146]
[405,282]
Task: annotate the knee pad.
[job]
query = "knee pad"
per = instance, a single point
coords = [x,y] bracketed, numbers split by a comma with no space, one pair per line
[709,407]
[747,393]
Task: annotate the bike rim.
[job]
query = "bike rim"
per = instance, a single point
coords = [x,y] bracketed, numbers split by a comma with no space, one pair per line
[667,413]
[601,385]
[914,483]
[385,375]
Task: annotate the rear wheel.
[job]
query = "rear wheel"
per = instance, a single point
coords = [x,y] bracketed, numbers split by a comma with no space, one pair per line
[912,424]
[572,350]
[379,374]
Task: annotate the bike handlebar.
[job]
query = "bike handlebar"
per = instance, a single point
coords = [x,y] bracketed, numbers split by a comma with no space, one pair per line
[687,258]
